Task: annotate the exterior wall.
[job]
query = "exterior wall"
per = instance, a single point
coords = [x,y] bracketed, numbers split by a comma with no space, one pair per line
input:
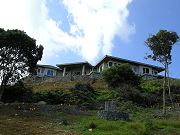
[138,69]
[46,72]
[151,70]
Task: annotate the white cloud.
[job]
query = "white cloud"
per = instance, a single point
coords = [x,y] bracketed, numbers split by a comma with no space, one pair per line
[93,25]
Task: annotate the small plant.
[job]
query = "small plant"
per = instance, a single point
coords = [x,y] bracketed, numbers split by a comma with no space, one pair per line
[149,125]
[92,125]
[65,122]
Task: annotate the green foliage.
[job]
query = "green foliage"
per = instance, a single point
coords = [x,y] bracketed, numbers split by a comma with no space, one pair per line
[17,92]
[152,86]
[150,126]
[161,45]
[127,106]
[129,93]
[105,95]
[53,96]
[19,55]
[92,125]
[119,75]
[84,94]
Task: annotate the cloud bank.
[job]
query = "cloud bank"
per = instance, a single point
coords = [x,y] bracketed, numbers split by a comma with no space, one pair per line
[93,24]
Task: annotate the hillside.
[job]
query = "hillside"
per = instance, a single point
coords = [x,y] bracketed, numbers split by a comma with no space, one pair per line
[98,84]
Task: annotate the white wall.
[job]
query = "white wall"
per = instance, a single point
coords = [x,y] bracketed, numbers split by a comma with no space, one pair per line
[44,71]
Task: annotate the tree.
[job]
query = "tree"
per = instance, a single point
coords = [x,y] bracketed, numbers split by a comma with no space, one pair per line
[19,55]
[161,45]
[119,75]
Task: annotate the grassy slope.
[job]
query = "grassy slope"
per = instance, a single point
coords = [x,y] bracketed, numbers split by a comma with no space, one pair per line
[99,84]
[12,123]
[51,124]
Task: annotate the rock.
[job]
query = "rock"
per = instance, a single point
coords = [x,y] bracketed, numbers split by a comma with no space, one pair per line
[113,115]
[90,130]
[42,103]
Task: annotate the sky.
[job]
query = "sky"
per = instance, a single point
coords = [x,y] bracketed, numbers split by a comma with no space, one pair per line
[87,30]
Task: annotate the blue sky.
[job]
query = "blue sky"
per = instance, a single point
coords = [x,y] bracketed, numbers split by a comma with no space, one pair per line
[86,30]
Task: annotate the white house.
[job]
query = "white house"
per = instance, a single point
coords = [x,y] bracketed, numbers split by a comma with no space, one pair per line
[47,70]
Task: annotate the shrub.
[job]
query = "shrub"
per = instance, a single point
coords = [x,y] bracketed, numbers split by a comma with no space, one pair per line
[52,96]
[152,86]
[92,125]
[120,74]
[129,93]
[84,95]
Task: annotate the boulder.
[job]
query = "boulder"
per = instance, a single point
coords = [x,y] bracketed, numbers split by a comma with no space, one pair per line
[42,103]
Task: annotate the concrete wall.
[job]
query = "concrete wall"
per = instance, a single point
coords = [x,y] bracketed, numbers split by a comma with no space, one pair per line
[36,79]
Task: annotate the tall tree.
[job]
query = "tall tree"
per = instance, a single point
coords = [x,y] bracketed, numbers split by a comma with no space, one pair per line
[161,46]
[19,55]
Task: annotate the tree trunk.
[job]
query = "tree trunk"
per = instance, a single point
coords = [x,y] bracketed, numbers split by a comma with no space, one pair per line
[2,88]
[169,88]
[1,91]
[164,90]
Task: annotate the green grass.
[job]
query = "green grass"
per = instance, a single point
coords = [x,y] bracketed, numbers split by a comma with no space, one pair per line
[12,122]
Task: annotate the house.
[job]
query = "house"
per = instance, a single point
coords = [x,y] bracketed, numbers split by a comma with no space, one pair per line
[85,71]
[139,68]
[75,69]
[47,70]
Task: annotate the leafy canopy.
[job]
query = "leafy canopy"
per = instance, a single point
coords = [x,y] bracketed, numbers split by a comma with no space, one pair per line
[119,75]
[19,55]
[161,45]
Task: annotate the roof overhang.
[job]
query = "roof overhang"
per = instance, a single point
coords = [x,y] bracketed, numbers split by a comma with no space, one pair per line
[108,57]
[76,64]
[48,66]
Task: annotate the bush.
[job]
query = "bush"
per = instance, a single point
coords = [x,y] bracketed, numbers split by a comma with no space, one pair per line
[119,75]
[84,95]
[129,93]
[17,92]
[152,86]
[52,96]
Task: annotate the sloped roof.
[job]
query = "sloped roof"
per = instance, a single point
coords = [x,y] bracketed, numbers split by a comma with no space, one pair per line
[74,64]
[107,57]
[48,66]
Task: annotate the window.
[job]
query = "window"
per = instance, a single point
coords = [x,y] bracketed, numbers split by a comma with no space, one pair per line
[110,64]
[145,70]
[115,63]
[135,69]
[155,72]
[50,72]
